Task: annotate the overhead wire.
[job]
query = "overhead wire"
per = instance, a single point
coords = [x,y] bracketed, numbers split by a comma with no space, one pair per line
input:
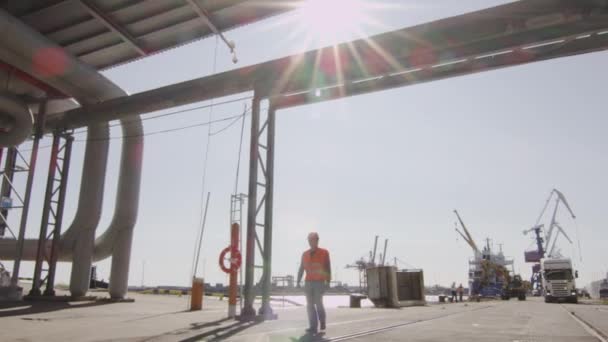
[161,116]
[238,161]
[227,126]
[202,214]
[181,111]
[169,130]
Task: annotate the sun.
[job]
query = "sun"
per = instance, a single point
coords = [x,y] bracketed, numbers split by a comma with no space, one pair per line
[332,19]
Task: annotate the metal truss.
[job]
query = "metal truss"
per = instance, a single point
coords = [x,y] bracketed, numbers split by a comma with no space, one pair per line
[52,214]
[259,209]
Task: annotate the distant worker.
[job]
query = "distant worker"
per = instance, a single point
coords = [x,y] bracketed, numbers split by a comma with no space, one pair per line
[315,262]
[460,292]
[453,290]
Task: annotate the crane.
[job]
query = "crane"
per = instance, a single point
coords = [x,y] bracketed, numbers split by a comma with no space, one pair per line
[545,246]
[466,235]
[555,229]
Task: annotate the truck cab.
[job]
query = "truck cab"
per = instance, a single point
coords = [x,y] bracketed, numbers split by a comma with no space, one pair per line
[558,279]
[604,288]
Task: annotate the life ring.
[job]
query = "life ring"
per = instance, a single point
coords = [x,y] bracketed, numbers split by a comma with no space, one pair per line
[235,261]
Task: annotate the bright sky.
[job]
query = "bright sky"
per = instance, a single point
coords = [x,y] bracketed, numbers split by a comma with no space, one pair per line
[394,163]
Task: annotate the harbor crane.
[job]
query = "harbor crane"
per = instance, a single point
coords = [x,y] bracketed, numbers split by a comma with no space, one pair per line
[545,245]
[554,229]
[362,265]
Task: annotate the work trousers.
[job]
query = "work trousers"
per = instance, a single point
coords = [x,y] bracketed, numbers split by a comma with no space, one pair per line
[314,302]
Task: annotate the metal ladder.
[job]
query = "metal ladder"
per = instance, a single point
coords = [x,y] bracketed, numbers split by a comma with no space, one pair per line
[237,201]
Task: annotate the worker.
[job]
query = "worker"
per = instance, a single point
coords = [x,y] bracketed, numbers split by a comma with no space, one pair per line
[315,262]
[460,292]
[453,290]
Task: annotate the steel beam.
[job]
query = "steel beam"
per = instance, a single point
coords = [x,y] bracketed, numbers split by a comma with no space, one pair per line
[206,18]
[248,312]
[371,64]
[63,186]
[46,212]
[266,309]
[108,22]
[52,214]
[7,179]
[28,193]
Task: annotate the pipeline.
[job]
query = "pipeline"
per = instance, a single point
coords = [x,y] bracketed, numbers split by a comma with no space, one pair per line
[20,44]
[16,121]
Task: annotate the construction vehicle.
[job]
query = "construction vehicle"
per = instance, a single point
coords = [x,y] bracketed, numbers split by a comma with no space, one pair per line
[515,288]
[559,280]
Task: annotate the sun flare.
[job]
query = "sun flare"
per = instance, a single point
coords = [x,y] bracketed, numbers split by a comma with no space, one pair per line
[332,19]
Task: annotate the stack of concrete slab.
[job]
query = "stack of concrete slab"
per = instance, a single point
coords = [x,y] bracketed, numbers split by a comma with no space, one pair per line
[391,288]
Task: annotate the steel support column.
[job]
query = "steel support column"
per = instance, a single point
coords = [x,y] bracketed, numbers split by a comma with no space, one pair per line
[28,192]
[52,214]
[248,312]
[7,188]
[261,164]
[266,309]
[63,185]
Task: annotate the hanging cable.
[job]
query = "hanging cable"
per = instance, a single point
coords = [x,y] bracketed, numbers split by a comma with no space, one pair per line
[238,161]
[202,215]
[170,130]
[227,126]
[181,111]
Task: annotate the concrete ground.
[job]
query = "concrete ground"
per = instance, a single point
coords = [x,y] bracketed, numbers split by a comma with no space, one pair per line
[165,318]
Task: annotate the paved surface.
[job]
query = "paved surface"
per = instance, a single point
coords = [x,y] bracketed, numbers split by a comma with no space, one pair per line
[164,318]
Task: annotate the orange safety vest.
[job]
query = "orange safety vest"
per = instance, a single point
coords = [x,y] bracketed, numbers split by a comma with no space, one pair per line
[315,265]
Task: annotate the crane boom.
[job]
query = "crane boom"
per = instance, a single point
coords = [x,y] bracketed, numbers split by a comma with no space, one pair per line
[563,199]
[554,229]
[469,238]
[473,246]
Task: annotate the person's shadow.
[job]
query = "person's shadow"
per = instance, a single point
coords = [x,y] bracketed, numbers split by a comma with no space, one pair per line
[308,337]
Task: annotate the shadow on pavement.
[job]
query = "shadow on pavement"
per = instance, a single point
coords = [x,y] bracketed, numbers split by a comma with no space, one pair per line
[20,308]
[309,338]
[219,334]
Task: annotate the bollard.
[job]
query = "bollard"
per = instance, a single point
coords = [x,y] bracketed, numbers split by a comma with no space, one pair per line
[196,298]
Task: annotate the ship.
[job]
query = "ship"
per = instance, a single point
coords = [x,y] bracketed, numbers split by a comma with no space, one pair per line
[489,272]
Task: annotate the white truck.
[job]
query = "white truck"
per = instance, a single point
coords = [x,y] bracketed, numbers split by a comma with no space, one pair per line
[558,279]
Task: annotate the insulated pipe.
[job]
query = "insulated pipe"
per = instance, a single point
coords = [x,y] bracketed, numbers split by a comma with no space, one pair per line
[89,203]
[78,248]
[31,52]
[16,120]
[78,243]
[116,240]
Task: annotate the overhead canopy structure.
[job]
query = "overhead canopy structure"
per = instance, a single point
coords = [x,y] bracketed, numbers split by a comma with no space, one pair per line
[512,34]
[103,34]
[107,33]
[51,52]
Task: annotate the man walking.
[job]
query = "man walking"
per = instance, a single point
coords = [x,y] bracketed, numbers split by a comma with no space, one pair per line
[315,262]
